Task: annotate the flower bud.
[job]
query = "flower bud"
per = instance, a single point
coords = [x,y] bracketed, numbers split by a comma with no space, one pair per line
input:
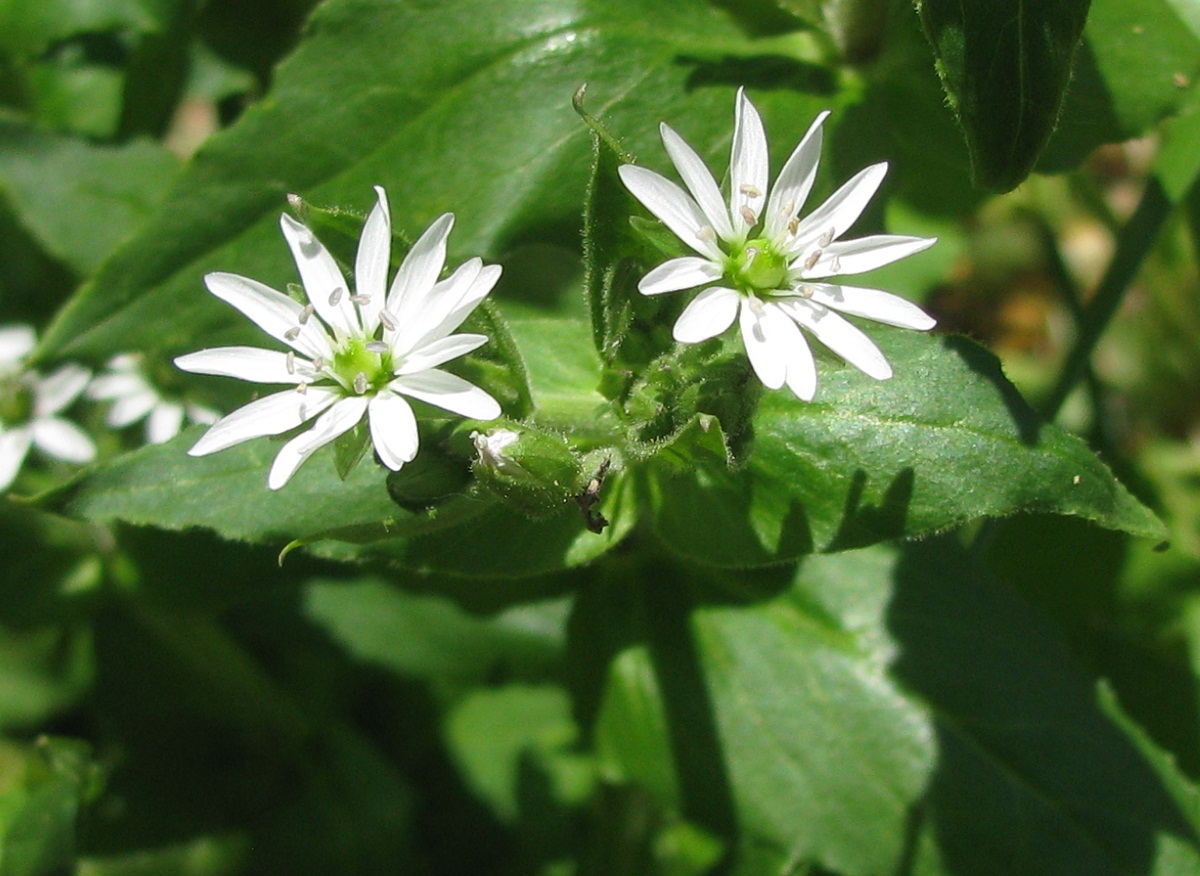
[532,470]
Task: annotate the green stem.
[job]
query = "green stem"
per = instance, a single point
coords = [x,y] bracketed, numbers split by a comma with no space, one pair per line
[1134,244]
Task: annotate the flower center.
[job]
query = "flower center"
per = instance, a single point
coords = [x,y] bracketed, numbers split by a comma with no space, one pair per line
[16,402]
[361,365]
[757,266]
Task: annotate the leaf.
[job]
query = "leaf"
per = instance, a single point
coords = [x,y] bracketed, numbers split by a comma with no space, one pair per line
[1004,65]
[891,710]
[428,637]
[40,794]
[1136,66]
[460,106]
[79,200]
[946,440]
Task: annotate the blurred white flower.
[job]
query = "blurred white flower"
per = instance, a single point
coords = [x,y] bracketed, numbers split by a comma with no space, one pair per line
[763,265]
[30,404]
[134,398]
[353,355]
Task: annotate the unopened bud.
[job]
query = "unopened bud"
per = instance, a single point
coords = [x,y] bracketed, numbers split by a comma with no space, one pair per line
[532,470]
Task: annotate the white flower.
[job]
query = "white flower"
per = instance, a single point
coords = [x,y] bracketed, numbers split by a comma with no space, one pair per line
[134,398]
[30,404]
[492,447]
[762,264]
[352,355]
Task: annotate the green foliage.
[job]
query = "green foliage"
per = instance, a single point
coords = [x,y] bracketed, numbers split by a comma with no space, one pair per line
[681,624]
[1005,65]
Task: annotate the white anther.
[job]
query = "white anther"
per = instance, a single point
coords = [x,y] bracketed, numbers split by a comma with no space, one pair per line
[306,313]
[360,383]
[756,306]
[291,362]
[835,267]
[292,333]
[361,300]
[707,233]
[318,363]
[804,290]
[794,225]
[389,321]
[335,296]
[302,388]
[749,216]
[826,239]
[750,190]
[813,258]
[376,347]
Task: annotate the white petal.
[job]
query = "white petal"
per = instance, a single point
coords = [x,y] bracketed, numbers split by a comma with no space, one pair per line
[864,254]
[795,181]
[747,166]
[419,270]
[699,181]
[271,311]
[252,364]
[673,206]
[841,210]
[270,415]
[681,273]
[872,304]
[16,342]
[707,315]
[116,385]
[432,318]
[440,351]
[393,429]
[62,439]
[131,408]
[847,340]
[801,369]
[338,420]
[767,335]
[14,447]
[165,422]
[479,289]
[449,392]
[371,264]
[327,289]
[55,392]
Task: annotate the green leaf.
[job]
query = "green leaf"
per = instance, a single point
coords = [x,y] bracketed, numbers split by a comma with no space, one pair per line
[40,794]
[349,449]
[1005,65]
[1137,64]
[428,637]
[889,710]
[461,105]
[946,440]
[78,200]
[509,740]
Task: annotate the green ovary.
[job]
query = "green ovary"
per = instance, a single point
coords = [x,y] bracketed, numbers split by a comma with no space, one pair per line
[353,359]
[16,403]
[757,267]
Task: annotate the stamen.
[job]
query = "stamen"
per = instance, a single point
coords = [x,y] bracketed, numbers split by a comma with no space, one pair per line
[755,305]
[335,296]
[360,383]
[812,259]
[749,216]
[836,265]
[318,363]
[376,347]
[291,362]
[389,321]
[302,388]
[292,333]
[794,225]
[306,313]
[361,300]
[707,233]
[826,239]
[804,290]
[752,191]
